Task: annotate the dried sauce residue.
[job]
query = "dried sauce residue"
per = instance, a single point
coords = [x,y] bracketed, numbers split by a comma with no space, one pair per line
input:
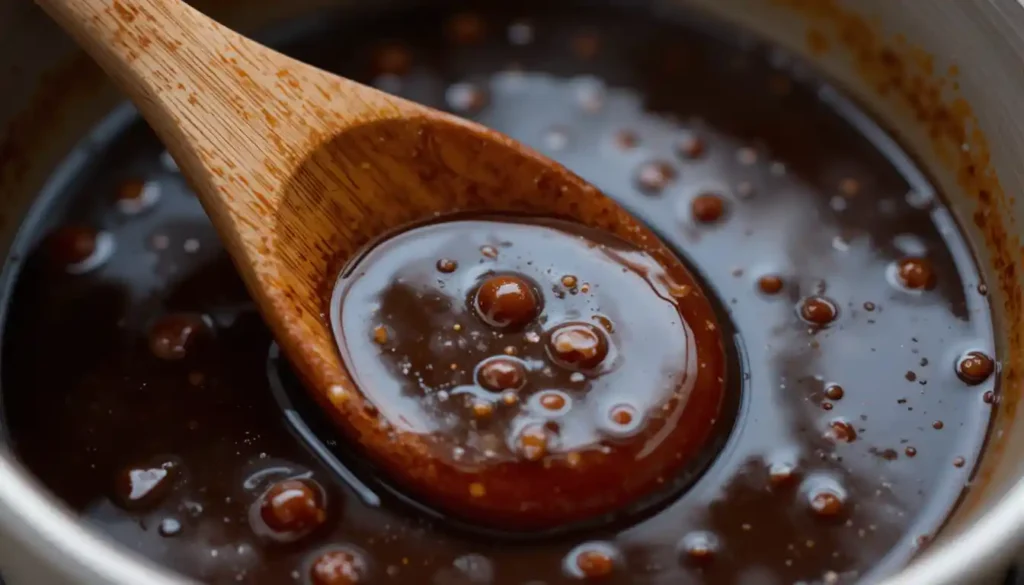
[906,76]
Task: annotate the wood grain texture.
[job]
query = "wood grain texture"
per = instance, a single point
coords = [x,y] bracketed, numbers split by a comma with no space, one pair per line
[298,170]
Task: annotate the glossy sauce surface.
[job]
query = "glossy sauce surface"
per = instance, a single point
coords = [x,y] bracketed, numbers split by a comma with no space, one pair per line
[541,358]
[863,407]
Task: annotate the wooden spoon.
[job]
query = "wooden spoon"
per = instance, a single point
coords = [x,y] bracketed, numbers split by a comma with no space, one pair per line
[299,169]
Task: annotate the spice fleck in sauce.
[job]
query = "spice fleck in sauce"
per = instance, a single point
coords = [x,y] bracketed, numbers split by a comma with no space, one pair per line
[159,426]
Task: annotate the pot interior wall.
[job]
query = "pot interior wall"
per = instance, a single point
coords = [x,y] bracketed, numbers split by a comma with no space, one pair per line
[921,77]
[56,97]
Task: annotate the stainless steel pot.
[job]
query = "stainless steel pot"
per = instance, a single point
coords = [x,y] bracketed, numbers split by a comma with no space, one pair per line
[945,76]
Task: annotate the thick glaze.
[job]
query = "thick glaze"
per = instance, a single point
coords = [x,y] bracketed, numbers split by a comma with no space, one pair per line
[542,358]
[856,434]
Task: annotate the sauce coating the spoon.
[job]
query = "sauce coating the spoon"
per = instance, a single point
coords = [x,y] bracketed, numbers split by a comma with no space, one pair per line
[541,358]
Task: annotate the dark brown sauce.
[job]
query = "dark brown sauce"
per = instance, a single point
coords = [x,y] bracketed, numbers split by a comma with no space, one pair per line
[655,114]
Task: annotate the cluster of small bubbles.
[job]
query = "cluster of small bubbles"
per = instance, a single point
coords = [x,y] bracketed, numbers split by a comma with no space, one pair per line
[591,561]
[339,566]
[80,249]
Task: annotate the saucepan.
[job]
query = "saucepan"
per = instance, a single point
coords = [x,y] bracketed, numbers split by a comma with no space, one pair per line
[944,76]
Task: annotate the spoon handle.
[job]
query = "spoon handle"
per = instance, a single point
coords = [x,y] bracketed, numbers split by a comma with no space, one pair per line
[236,116]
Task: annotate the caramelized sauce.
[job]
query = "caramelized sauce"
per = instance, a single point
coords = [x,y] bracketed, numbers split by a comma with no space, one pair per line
[814,484]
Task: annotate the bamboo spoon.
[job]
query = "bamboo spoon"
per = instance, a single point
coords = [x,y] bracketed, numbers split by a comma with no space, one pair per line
[299,169]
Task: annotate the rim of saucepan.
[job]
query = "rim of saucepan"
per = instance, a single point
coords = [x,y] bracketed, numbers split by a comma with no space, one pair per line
[65,549]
